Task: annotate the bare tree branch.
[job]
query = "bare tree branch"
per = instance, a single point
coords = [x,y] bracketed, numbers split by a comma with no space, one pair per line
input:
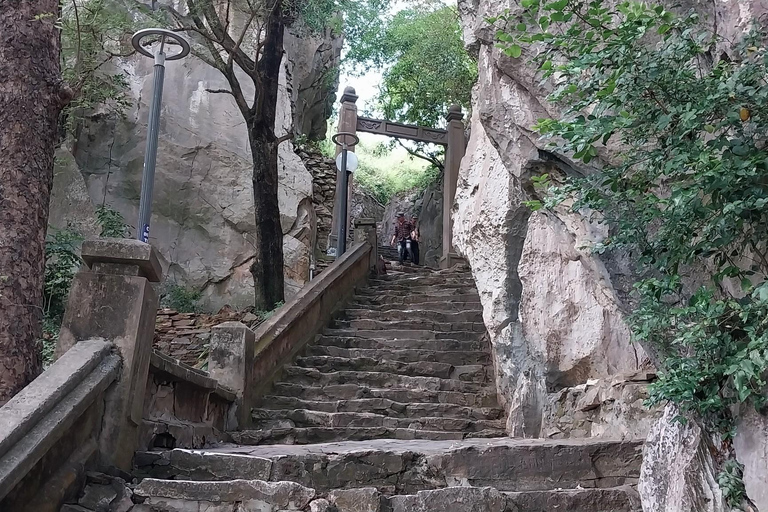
[424,156]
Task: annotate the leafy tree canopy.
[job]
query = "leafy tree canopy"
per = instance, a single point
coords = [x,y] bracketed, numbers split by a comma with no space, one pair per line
[425,66]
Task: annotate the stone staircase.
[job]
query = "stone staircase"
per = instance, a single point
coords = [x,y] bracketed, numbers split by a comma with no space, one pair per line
[392,409]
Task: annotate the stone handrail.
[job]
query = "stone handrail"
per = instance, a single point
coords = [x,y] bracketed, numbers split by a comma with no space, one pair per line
[52,426]
[248,361]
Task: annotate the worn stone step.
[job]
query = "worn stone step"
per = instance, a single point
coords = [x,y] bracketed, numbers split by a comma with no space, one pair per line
[388,325]
[455,358]
[440,307]
[290,418]
[399,298]
[395,288]
[423,280]
[313,377]
[433,345]
[329,364]
[488,499]
[320,435]
[355,391]
[411,334]
[407,467]
[451,317]
[383,406]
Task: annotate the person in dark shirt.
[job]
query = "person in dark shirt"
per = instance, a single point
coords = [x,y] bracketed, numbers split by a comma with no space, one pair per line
[402,235]
[415,238]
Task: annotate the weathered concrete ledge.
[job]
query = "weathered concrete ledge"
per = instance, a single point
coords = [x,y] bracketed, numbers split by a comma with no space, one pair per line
[163,363]
[184,407]
[52,425]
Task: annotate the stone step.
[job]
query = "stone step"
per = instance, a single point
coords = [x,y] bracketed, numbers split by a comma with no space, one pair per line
[329,364]
[187,496]
[266,419]
[313,377]
[455,358]
[399,298]
[411,334]
[441,289]
[413,314]
[389,325]
[439,307]
[405,343]
[284,496]
[354,391]
[383,406]
[488,499]
[407,467]
[427,280]
[319,435]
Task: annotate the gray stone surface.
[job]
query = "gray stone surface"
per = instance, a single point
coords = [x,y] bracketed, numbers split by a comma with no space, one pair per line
[203,218]
[232,347]
[679,472]
[118,256]
[751,447]
[71,206]
[29,406]
[251,495]
[367,499]
[455,499]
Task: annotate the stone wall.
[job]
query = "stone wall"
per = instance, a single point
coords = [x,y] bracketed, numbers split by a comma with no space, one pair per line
[203,206]
[554,310]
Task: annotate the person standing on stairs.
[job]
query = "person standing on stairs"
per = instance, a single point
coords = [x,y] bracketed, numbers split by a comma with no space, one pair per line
[402,235]
[415,236]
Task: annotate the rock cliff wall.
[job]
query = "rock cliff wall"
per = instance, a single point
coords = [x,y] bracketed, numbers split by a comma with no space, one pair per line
[203,204]
[555,312]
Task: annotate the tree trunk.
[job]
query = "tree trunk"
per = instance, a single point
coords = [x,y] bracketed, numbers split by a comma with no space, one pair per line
[267,268]
[29,108]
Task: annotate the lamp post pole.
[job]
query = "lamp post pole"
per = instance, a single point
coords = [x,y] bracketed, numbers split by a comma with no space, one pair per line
[345,169]
[153,126]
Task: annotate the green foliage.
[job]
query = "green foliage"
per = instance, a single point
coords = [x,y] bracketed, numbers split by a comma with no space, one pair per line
[93,33]
[48,341]
[684,187]
[183,300]
[425,66]
[61,263]
[383,172]
[112,223]
[731,483]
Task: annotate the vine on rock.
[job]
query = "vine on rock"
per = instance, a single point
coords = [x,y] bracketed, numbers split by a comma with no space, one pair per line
[678,126]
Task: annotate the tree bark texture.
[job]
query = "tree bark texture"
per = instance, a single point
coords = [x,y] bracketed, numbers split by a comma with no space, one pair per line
[267,268]
[30,84]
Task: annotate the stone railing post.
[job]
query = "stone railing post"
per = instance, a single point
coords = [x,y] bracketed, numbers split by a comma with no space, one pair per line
[230,358]
[454,153]
[365,231]
[112,298]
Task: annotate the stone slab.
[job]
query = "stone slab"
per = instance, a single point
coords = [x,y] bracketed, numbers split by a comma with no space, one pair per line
[120,251]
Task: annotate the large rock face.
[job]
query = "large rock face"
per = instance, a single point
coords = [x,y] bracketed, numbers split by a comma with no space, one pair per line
[554,318]
[678,472]
[203,197]
[555,311]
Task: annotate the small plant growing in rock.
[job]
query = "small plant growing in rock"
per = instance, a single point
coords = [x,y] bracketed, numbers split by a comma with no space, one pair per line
[181,299]
[112,223]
